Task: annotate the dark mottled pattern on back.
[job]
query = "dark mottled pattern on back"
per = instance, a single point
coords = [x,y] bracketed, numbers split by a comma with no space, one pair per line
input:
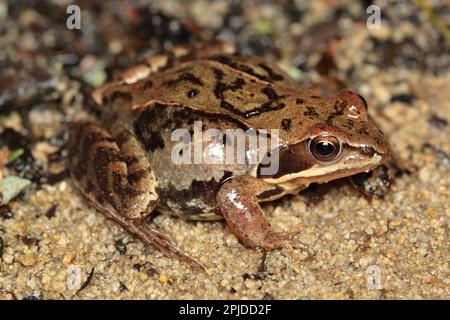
[150,137]
[185,77]
[255,94]
[286,124]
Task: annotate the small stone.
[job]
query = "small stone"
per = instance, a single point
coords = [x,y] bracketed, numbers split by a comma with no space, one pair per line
[28,260]
[432,212]
[401,239]
[250,284]
[163,278]
[424,174]
[68,258]
[328,236]
[394,223]
[45,124]
[380,230]
[115,47]
[143,276]
[435,224]
[8,258]
[10,187]
[381,93]
[93,71]
[369,231]
[380,33]
[299,206]
[231,240]
[433,280]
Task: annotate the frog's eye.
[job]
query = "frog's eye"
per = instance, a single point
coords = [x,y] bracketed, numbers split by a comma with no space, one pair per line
[324,148]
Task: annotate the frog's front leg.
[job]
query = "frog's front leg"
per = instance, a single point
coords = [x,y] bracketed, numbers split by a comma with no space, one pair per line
[238,201]
[118,179]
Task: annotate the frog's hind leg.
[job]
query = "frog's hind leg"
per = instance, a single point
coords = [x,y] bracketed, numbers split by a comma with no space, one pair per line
[119,181]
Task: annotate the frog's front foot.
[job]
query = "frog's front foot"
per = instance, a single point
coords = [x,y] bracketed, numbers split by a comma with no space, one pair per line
[274,240]
[237,199]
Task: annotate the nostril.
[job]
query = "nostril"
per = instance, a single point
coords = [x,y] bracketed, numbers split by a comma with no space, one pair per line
[367,151]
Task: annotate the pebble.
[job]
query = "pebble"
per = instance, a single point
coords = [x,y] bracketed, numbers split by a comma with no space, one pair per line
[28,260]
[381,93]
[8,258]
[163,278]
[395,223]
[231,240]
[401,239]
[68,258]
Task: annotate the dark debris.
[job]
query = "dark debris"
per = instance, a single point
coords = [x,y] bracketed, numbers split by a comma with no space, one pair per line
[120,246]
[443,158]
[51,212]
[6,212]
[2,247]
[34,295]
[25,166]
[30,241]
[122,287]
[437,122]
[88,281]
[151,272]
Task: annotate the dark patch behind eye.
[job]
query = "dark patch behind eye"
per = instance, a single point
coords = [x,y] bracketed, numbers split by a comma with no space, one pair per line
[292,159]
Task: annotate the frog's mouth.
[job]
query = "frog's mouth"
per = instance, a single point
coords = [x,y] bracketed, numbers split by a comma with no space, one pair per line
[322,174]
[339,170]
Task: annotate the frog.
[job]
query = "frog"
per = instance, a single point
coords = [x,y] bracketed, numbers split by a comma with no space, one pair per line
[122,160]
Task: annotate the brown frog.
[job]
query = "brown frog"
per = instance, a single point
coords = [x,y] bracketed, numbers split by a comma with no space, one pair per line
[124,163]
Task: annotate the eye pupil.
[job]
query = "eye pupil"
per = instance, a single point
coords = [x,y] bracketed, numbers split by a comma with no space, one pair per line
[324,148]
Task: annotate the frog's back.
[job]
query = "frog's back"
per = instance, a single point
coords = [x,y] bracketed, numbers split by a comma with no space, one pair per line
[247,90]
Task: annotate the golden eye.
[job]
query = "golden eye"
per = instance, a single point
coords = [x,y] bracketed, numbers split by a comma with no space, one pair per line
[324,148]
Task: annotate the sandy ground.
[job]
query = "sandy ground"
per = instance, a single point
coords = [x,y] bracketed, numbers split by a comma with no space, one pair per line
[53,241]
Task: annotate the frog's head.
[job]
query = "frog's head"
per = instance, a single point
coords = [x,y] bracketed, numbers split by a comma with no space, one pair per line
[343,141]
